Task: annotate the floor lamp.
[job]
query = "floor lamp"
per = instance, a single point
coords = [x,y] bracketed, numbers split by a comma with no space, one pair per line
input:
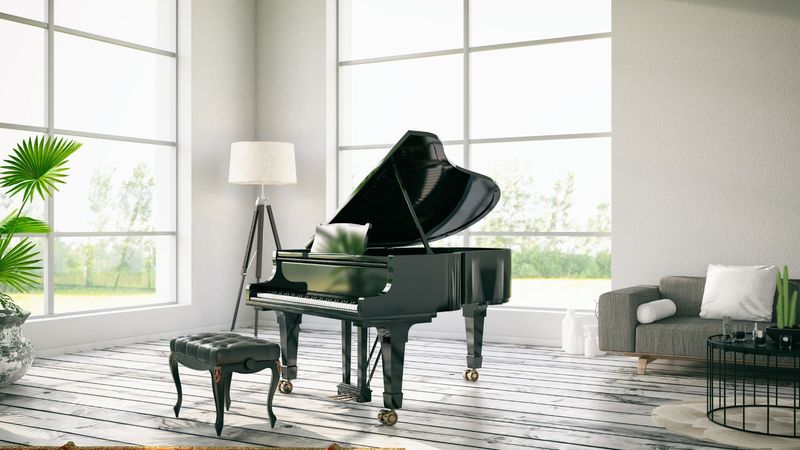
[259,163]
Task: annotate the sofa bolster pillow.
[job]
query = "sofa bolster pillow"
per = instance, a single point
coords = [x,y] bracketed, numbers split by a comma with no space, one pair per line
[656,310]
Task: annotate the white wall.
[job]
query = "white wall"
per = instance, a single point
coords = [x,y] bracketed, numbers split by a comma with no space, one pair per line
[223,111]
[217,107]
[706,138]
[293,104]
[291,92]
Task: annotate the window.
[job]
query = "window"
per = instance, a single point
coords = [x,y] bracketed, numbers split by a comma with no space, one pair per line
[104,74]
[519,90]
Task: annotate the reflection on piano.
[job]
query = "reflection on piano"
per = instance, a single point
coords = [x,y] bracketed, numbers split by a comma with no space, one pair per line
[413,197]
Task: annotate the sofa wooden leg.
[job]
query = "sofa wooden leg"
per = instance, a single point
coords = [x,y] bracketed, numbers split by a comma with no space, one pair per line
[642,364]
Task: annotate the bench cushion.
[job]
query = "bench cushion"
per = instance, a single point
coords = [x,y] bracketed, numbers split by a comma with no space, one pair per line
[225,348]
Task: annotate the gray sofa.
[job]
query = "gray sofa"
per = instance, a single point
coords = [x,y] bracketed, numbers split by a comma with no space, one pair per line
[682,336]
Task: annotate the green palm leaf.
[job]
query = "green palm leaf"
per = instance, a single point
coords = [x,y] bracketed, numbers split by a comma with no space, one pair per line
[22,224]
[37,166]
[18,265]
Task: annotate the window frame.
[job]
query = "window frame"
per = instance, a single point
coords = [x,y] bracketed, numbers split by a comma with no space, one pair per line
[466,50]
[48,252]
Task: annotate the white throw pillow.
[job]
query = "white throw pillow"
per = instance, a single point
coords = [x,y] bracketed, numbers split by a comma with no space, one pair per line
[656,310]
[739,292]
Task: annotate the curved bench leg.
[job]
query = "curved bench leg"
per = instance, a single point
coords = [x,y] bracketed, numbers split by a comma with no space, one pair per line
[228,378]
[218,379]
[273,385]
[173,365]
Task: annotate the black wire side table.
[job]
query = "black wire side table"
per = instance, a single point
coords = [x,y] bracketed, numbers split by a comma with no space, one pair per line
[753,389]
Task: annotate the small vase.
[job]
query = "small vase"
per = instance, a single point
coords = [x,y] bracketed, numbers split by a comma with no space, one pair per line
[571,334]
[16,351]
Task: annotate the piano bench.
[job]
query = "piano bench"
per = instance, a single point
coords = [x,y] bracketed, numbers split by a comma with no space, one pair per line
[222,354]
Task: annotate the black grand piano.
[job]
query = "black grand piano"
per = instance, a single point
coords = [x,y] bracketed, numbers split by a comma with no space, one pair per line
[414,196]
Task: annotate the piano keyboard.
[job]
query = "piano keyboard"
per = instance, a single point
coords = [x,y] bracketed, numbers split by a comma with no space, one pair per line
[313,300]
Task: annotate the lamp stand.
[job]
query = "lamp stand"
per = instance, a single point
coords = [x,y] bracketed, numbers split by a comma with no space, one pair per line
[257,234]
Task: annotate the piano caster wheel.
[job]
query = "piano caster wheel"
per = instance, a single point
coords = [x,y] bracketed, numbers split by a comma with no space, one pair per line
[285,386]
[387,417]
[471,375]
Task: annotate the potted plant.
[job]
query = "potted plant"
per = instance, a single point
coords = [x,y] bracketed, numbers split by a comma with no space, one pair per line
[34,169]
[785,311]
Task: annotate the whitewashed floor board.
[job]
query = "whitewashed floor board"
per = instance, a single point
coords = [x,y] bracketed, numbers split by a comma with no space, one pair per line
[527,397]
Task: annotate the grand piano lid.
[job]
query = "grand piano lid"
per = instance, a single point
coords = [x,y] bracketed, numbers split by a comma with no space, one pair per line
[446,199]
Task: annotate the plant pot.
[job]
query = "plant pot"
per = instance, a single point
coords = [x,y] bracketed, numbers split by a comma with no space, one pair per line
[773,332]
[16,351]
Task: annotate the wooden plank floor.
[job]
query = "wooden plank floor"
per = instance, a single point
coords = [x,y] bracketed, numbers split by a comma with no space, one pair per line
[527,397]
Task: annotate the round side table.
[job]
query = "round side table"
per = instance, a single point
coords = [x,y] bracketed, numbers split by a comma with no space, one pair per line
[753,389]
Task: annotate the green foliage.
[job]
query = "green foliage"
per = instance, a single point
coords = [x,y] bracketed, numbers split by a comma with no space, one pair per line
[342,240]
[786,306]
[35,168]
[137,197]
[19,264]
[122,265]
[346,244]
[14,223]
[535,262]
[553,257]
[104,277]
[130,205]
[521,208]
[94,264]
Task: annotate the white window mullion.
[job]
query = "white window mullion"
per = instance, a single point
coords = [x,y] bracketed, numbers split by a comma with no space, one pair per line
[49,205]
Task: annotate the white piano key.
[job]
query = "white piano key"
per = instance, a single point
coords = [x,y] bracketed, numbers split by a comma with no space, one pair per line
[342,305]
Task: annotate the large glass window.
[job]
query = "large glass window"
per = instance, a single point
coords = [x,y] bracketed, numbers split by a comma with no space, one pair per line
[519,90]
[104,74]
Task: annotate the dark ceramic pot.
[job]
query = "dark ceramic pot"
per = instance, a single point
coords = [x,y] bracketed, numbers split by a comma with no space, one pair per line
[16,351]
[773,332]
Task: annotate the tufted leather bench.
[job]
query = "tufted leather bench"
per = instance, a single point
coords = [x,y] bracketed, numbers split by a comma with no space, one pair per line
[222,354]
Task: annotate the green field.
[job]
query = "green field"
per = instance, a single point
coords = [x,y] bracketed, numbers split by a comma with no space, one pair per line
[71,298]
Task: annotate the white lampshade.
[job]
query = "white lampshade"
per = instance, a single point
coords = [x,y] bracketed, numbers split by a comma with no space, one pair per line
[262,163]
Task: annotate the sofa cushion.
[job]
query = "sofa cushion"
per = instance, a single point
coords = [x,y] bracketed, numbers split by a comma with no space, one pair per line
[680,336]
[686,292]
[739,292]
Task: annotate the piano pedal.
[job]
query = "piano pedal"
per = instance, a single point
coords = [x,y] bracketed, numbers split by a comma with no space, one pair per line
[344,398]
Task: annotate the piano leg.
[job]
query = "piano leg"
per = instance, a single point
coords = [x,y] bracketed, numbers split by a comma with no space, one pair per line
[364,391]
[393,339]
[289,325]
[347,339]
[474,316]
